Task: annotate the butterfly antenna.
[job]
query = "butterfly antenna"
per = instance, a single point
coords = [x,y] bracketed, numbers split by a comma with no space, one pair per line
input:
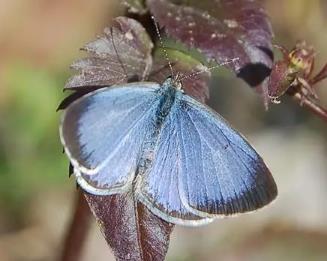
[208,69]
[162,45]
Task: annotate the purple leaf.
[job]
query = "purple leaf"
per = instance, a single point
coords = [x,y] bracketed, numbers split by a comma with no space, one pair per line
[222,30]
[124,52]
[130,229]
[74,96]
[278,80]
[320,76]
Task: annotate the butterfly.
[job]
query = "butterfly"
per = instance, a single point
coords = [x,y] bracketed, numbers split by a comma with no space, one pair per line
[180,158]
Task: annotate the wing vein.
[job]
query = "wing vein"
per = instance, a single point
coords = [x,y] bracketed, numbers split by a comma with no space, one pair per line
[201,156]
[125,136]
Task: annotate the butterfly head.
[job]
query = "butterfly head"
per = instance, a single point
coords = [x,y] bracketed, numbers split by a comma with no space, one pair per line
[174,82]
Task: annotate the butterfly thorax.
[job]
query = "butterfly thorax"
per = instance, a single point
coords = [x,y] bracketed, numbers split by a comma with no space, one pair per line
[173,82]
[168,92]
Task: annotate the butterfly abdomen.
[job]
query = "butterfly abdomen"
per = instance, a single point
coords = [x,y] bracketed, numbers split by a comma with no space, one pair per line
[167,94]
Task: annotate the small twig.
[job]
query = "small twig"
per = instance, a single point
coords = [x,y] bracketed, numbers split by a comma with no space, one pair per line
[312,106]
[77,231]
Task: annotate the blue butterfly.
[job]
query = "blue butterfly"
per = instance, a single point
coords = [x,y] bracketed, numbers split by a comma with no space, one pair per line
[182,159]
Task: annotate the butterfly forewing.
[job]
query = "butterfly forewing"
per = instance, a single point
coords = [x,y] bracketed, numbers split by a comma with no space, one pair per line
[229,176]
[103,134]
[203,168]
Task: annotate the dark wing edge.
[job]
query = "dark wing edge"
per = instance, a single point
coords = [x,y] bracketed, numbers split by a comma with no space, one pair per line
[259,192]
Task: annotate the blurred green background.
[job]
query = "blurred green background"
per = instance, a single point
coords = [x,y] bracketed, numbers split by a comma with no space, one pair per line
[38,41]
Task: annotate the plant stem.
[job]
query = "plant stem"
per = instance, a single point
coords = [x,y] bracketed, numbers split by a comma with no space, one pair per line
[77,231]
[312,106]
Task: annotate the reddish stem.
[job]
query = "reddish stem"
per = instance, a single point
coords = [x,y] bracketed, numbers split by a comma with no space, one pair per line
[77,231]
[311,105]
[320,76]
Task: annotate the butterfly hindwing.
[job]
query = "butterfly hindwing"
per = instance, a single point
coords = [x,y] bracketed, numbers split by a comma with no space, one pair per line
[158,187]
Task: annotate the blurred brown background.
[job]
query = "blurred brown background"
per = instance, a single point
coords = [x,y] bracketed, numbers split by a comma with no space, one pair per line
[38,41]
